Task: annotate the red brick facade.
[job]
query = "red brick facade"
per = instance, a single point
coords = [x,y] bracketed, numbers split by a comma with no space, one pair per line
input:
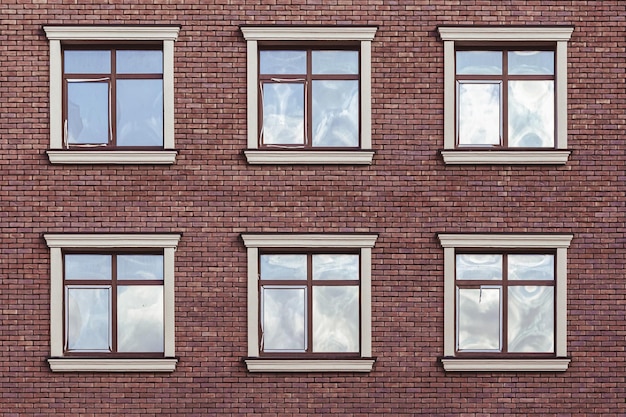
[211,195]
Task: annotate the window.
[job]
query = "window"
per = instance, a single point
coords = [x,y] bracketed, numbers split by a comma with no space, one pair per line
[309,302]
[112,302]
[309,95]
[505,95]
[112,94]
[505,302]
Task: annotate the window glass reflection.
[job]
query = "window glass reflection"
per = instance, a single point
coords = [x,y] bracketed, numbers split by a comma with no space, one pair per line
[88,112]
[88,312]
[336,113]
[531,113]
[140,267]
[335,62]
[283,319]
[336,319]
[86,62]
[531,319]
[140,318]
[531,62]
[282,62]
[531,267]
[140,113]
[87,266]
[283,267]
[139,62]
[283,113]
[479,313]
[478,267]
[479,113]
[335,267]
[478,62]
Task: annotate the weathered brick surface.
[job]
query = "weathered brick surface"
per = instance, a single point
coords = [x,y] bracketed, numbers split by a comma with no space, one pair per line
[408,195]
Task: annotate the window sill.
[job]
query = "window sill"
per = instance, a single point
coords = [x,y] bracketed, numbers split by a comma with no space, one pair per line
[361,157]
[495,157]
[517,365]
[165,157]
[309,365]
[112,365]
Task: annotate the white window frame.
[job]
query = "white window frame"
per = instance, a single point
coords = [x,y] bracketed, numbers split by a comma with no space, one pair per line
[558,34]
[58,242]
[450,244]
[57,35]
[258,34]
[255,242]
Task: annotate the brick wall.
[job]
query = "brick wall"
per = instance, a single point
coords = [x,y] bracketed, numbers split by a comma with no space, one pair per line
[407,196]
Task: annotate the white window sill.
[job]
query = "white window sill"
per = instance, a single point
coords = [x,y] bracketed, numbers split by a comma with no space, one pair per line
[166,157]
[535,157]
[517,365]
[309,365]
[112,365]
[255,156]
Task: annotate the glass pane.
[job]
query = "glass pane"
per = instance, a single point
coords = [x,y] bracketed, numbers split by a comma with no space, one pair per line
[140,267]
[531,114]
[336,266]
[479,113]
[87,62]
[535,267]
[283,113]
[283,318]
[283,267]
[88,112]
[81,266]
[140,112]
[88,315]
[336,113]
[336,319]
[478,62]
[283,62]
[478,267]
[140,318]
[531,319]
[335,62]
[139,62]
[531,62]
[478,318]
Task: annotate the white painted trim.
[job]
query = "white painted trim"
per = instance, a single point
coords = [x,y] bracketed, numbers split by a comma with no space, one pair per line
[112,365]
[56,242]
[308,241]
[451,34]
[309,33]
[166,157]
[255,34]
[505,33]
[471,240]
[255,156]
[57,34]
[450,243]
[505,365]
[495,157]
[309,365]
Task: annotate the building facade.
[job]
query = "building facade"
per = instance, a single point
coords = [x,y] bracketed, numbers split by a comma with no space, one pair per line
[306,208]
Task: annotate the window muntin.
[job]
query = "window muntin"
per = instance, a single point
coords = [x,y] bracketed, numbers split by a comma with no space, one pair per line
[505,303]
[113,97]
[505,98]
[309,303]
[309,98]
[113,304]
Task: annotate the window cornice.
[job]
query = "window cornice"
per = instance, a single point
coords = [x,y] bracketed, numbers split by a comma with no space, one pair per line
[125,33]
[308,33]
[505,33]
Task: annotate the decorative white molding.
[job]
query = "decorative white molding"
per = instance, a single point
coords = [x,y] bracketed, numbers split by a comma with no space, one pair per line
[112,240]
[112,33]
[308,240]
[505,365]
[111,157]
[112,365]
[505,33]
[309,365]
[362,34]
[273,157]
[496,157]
[504,241]
[308,33]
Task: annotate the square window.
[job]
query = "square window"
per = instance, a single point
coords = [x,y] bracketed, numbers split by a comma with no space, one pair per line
[309,302]
[112,302]
[505,306]
[309,95]
[114,90]
[505,95]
